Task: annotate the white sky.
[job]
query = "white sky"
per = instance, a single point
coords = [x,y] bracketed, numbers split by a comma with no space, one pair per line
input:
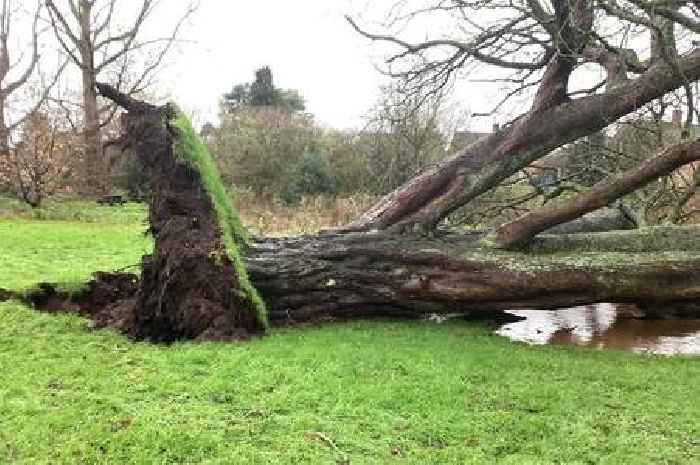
[308,44]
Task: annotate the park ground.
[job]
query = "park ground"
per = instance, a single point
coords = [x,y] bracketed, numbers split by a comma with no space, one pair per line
[366,392]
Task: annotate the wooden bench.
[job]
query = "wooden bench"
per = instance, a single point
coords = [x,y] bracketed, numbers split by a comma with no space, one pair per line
[111,200]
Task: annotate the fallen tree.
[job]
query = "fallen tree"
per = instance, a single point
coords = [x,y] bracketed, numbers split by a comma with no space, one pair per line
[360,275]
[394,260]
[380,274]
[542,46]
[197,283]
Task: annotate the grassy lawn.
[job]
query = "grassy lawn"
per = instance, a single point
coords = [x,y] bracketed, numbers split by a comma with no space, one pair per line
[358,393]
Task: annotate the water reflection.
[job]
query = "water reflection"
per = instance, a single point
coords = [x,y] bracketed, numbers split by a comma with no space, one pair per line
[604,326]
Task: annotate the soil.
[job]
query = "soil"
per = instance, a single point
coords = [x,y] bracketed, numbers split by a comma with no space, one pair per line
[188,287]
[6,295]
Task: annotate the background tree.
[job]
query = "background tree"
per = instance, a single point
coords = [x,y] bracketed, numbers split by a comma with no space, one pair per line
[271,149]
[263,136]
[310,177]
[407,133]
[258,147]
[93,34]
[263,93]
[43,160]
[18,67]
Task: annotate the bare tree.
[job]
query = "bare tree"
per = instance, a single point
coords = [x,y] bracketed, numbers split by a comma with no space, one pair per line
[405,133]
[15,72]
[516,233]
[43,159]
[95,39]
[536,46]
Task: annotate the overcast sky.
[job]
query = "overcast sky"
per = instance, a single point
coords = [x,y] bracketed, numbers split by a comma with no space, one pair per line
[308,45]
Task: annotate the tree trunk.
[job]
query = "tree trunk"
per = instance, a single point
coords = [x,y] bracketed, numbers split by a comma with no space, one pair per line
[4,131]
[439,190]
[95,175]
[94,161]
[379,274]
[517,233]
[360,275]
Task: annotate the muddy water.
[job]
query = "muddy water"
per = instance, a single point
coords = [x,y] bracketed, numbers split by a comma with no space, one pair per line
[605,326]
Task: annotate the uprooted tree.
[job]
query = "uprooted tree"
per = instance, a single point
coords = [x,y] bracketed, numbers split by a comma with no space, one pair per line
[393,260]
[543,44]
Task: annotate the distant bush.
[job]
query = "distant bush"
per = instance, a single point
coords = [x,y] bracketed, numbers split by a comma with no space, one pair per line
[310,177]
[42,163]
[130,176]
[257,147]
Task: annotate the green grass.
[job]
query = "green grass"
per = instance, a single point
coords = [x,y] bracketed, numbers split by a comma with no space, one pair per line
[384,392]
[191,149]
[64,252]
[73,210]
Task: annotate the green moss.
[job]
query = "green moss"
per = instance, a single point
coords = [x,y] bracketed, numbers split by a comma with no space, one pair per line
[190,149]
[537,262]
[651,239]
[602,250]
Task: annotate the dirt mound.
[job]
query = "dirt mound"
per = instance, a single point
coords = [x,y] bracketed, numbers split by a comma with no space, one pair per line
[94,301]
[189,287]
[109,301]
[112,300]
[193,286]
[6,295]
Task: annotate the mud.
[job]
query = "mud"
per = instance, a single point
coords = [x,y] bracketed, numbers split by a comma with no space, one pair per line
[103,300]
[6,295]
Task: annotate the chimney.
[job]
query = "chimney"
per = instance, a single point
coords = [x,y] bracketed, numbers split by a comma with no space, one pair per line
[677,117]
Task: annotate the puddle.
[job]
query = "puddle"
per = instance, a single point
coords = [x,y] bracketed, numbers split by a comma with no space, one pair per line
[603,326]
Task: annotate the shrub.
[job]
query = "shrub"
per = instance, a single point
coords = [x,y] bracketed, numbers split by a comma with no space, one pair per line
[311,176]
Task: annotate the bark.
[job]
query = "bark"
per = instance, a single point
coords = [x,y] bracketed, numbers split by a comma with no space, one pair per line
[4,131]
[380,274]
[360,275]
[94,161]
[440,189]
[603,220]
[517,233]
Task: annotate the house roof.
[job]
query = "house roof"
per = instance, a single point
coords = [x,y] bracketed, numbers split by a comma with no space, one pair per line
[461,139]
